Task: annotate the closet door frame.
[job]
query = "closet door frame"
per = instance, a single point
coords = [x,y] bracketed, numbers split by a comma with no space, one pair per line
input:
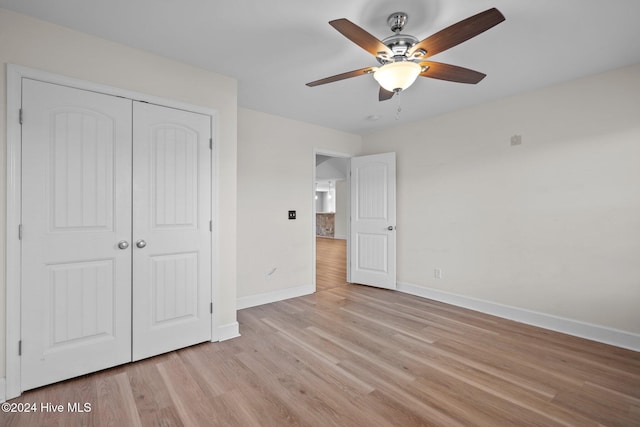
[15,74]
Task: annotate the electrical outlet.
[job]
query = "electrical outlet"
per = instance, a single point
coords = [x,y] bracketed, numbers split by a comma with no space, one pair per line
[516,140]
[292,214]
[437,273]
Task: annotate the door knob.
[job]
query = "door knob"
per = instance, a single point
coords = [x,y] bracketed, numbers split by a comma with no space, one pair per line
[123,244]
[141,243]
[390,228]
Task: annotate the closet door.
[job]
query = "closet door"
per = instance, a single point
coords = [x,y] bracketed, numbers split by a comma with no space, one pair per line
[171,234]
[76,208]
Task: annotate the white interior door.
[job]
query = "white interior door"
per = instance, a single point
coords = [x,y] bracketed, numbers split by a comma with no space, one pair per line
[373,220]
[76,207]
[171,229]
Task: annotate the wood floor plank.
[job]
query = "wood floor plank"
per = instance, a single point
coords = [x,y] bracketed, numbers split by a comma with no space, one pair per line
[473,406]
[331,263]
[394,391]
[191,404]
[116,402]
[487,366]
[364,356]
[151,395]
[353,355]
[595,403]
[517,396]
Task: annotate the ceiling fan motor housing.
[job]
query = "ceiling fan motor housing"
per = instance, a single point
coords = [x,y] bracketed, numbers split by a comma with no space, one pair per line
[398,43]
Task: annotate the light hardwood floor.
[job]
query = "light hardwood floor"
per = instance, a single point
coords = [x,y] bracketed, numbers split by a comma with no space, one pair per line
[331,263]
[352,355]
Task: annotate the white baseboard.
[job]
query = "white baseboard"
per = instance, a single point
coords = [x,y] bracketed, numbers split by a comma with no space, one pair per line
[228,331]
[589,331]
[279,295]
[3,390]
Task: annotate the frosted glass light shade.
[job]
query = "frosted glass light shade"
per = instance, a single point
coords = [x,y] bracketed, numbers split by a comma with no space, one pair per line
[397,75]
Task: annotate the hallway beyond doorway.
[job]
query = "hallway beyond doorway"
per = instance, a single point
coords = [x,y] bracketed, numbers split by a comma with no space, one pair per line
[331,263]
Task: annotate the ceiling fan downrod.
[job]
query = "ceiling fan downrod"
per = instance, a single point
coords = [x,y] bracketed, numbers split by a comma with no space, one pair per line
[397,21]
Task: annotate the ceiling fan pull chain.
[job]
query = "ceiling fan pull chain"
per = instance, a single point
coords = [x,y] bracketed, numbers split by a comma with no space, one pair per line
[399,110]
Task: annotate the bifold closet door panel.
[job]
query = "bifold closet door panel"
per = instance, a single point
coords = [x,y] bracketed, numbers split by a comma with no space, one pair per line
[76,208]
[171,235]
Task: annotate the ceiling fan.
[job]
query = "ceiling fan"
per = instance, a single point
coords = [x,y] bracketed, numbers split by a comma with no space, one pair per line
[403,57]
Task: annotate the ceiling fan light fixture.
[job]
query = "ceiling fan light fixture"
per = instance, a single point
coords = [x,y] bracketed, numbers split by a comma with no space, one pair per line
[397,76]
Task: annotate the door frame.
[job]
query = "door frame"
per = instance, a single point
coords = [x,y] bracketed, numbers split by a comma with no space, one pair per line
[15,74]
[323,152]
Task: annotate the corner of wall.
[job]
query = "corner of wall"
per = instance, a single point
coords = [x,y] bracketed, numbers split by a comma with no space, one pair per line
[279,295]
[228,331]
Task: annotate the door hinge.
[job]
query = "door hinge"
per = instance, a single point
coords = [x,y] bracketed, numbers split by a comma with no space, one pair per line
[210,143]
[211,307]
[19,231]
[210,225]
[20,116]
[20,348]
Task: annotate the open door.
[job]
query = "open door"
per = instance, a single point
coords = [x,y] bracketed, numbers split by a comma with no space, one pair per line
[373,220]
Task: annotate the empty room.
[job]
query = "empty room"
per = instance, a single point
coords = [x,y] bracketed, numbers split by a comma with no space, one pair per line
[364,213]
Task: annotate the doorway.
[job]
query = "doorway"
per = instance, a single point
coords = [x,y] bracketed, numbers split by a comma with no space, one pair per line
[331,219]
[370,208]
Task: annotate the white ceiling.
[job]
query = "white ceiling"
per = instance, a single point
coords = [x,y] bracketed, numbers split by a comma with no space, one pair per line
[274,47]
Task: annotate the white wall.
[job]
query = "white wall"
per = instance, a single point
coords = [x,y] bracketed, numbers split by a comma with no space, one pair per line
[33,43]
[341,226]
[322,201]
[332,169]
[275,174]
[552,225]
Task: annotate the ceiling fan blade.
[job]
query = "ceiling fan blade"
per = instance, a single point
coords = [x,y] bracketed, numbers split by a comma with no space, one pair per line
[360,37]
[459,32]
[337,77]
[384,94]
[452,73]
